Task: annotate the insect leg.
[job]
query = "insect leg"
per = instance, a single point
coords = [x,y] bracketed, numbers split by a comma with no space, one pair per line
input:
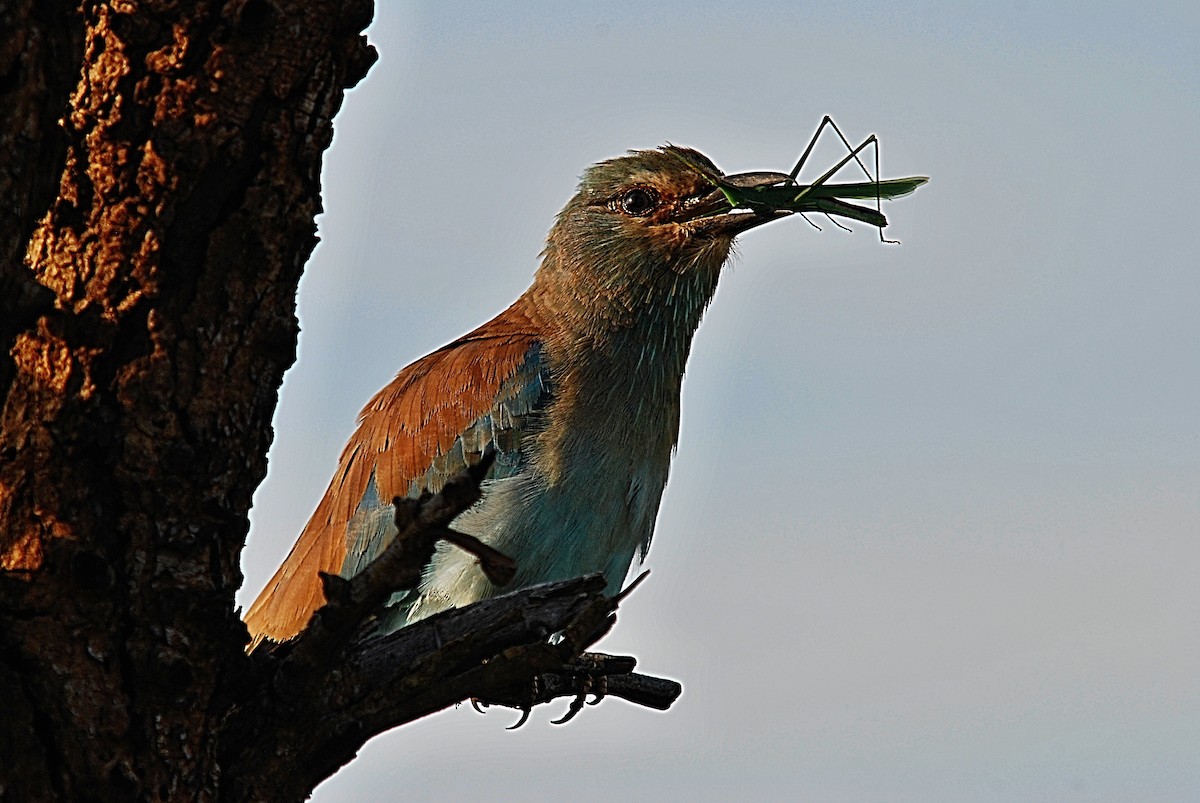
[826,120]
[829,173]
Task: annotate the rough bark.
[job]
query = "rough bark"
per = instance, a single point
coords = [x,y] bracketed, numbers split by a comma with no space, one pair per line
[159,179]
[166,214]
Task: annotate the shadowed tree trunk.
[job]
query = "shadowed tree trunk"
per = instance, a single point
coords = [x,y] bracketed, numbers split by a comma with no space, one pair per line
[160,175]
[159,179]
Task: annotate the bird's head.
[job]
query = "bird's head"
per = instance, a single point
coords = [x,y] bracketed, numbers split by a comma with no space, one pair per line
[645,230]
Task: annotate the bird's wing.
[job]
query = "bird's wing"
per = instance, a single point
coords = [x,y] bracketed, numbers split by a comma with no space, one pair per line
[435,418]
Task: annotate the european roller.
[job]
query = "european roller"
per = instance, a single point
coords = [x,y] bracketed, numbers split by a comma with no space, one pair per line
[576,387]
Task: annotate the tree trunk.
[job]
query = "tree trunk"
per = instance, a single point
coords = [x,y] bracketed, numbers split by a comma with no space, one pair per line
[160,170]
[159,175]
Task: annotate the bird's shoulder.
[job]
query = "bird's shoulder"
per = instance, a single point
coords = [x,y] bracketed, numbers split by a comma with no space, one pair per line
[441,412]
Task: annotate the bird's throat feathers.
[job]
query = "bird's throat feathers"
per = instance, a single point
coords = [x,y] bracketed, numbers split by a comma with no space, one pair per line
[623,283]
[618,324]
[629,312]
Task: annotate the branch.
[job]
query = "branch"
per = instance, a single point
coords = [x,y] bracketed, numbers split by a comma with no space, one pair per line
[420,523]
[309,704]
[492,650]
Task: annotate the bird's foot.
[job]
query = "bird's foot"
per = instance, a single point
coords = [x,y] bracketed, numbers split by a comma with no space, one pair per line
[590,671]
[585,676]
[528,699]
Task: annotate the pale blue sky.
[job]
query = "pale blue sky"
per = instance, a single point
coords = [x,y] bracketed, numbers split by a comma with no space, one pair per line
[933,531]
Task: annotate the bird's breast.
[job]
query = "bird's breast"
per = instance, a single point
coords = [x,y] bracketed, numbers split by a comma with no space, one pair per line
[586,498]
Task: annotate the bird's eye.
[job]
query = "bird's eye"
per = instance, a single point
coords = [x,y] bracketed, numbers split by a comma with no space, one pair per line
[638,201]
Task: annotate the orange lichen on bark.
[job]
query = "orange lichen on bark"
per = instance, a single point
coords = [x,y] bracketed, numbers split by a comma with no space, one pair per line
[23,553]
[46,360]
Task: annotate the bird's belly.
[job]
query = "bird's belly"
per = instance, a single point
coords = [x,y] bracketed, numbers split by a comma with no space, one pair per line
[588,521]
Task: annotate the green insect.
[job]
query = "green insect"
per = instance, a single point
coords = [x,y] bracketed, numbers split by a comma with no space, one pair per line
[820,196]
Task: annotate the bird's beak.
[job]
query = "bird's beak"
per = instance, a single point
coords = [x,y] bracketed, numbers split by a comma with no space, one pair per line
[711,212]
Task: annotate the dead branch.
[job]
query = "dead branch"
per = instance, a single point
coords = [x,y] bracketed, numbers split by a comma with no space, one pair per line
[315,700]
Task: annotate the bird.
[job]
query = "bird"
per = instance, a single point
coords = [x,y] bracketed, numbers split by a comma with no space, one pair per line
[575,389]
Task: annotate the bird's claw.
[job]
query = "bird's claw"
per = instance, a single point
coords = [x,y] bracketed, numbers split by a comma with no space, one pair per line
[593,680]
[534,688]
[525,712]
[576,707]
[601,690]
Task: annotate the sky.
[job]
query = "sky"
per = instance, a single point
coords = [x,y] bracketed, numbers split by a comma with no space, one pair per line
[933,527]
